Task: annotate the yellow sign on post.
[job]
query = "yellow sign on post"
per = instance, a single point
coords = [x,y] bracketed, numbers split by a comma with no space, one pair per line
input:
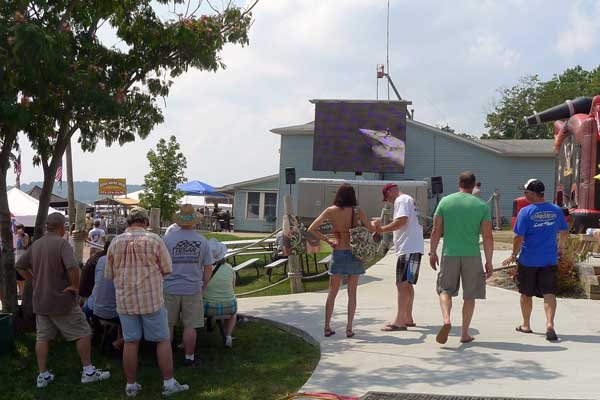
[112,186]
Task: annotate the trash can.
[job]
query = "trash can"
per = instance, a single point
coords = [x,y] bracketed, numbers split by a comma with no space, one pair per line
[6,334]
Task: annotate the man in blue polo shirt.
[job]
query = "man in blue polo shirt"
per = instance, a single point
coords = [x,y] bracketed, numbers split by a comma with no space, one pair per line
[537,263]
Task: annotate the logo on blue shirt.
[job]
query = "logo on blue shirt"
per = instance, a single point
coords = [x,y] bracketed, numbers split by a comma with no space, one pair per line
[186,251]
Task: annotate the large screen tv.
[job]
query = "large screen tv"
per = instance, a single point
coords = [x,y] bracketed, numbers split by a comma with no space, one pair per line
[359,136]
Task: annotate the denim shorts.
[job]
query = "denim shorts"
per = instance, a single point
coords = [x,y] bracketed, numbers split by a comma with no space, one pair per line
[344,263]
[154,327]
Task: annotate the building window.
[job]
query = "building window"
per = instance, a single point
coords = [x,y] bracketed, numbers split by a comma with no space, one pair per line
[253,207]
[270,209]
[261,205]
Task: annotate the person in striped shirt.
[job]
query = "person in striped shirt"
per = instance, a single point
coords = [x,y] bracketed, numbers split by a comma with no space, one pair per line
[137,261]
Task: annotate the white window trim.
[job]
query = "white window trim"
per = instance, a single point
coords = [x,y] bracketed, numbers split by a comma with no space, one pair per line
[261,204]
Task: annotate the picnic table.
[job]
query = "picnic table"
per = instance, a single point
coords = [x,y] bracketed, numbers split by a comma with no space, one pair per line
[244,242]
[263,248]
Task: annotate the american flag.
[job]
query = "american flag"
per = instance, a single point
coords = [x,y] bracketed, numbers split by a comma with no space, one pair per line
[58,175]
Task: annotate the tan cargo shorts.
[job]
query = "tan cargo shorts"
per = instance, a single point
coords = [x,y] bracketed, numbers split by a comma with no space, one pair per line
[469,269]
[190,307]
[72,325]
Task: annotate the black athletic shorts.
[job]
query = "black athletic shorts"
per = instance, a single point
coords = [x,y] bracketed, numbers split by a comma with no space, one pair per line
[407,268]
[537,281]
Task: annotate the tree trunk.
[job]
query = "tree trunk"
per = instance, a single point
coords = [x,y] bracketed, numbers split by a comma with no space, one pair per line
[44,202]
[48,185]
[8,283]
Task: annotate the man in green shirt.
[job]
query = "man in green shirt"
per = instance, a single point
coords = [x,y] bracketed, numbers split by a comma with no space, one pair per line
[461,217]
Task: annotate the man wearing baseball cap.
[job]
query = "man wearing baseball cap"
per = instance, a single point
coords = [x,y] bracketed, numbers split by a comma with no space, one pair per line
[408,242]
[536,253]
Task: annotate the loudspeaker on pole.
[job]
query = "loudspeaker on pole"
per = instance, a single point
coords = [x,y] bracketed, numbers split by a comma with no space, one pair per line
[437,185]
[290,176]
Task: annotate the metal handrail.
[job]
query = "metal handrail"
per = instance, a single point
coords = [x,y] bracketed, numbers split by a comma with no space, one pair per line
[237,251]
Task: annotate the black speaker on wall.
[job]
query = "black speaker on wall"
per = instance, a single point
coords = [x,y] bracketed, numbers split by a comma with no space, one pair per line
[437,186]
[290,176]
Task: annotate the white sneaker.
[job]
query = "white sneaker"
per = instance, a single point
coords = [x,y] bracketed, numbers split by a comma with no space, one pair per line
[133,391]
[43,382]
[174,388]
[228,341]
[97,375]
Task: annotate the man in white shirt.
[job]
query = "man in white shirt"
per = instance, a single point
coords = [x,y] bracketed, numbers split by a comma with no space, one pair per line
[96,236]
[172,228]
[408,242]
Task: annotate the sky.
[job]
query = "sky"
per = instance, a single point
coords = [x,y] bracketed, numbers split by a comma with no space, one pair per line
[449,58]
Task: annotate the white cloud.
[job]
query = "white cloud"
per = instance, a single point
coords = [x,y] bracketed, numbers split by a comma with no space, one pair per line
[582,30]
[447,57]
[489,49]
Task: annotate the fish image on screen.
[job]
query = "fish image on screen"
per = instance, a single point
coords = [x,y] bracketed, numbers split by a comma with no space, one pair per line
[354,136]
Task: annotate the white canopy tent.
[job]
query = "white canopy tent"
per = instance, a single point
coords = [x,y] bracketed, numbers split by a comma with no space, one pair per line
[24,208]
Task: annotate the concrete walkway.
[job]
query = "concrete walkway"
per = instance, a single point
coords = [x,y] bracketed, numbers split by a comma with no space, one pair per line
[500,362]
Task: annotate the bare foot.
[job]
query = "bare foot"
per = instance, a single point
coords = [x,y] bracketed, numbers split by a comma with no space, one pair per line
[442,336]
[466,339]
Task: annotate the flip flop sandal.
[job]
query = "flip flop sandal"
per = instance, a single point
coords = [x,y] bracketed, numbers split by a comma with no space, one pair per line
[551,335]
[442,336]
[520,329]
[328,332]
[349,333]
[393,328]
[468,340]
[412,325]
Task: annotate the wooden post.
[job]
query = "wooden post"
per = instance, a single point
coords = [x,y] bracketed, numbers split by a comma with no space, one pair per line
[294,261]
[80,233]
[386,218]
[498,215]
[155,220]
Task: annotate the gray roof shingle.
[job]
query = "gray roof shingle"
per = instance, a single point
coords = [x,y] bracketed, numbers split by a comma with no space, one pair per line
[507,148]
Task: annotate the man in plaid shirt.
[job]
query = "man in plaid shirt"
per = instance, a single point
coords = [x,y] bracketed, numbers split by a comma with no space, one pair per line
[137,260]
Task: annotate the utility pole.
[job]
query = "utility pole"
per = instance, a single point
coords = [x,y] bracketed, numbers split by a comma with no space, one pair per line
[387,47]
[70,186]
[80,233]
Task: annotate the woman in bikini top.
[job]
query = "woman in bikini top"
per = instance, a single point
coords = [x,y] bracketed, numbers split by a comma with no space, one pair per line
[341,215]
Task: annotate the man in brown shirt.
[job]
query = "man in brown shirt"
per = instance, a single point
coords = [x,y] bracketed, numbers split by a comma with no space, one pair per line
[52,266]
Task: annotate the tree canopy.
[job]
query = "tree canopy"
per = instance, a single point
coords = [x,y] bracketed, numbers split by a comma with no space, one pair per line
[73,82]
[58,78]
[167,167]
[531,94]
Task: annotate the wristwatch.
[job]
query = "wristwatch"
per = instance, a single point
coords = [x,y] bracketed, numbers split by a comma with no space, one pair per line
[432,254]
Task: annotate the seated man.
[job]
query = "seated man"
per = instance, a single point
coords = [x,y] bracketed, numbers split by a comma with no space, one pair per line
[219,298]
[103,302]
[88,273]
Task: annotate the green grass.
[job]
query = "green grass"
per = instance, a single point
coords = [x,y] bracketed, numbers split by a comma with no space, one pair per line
[249,281]
[265,363]
[221,237]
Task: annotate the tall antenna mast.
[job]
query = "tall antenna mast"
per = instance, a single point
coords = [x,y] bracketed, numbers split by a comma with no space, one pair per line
[387,43]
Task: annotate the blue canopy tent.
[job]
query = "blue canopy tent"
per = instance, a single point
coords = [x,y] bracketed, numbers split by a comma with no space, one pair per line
[197,188]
